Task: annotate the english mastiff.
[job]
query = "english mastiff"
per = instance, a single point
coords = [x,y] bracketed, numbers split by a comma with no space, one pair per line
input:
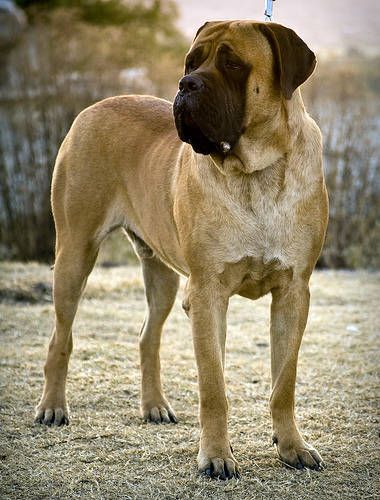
[230,193]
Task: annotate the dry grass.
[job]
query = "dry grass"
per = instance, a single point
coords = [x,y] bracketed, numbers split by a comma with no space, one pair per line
[108,452]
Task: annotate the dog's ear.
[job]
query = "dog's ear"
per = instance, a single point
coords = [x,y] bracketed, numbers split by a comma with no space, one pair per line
[294,61]
[209,24]
[200,29]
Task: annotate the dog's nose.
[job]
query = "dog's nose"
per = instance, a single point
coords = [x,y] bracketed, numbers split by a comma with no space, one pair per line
[190,83]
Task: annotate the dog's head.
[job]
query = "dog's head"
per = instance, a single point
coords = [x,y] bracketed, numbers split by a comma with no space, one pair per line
[236,72]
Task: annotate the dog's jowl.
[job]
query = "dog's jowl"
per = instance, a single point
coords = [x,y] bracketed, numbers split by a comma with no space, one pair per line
[237,204]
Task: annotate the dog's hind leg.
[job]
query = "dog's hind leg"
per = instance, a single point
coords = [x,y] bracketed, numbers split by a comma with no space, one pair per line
[161,285]
[82,214]
[75,259]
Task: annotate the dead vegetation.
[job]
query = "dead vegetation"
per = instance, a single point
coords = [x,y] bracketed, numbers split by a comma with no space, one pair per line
[108,452]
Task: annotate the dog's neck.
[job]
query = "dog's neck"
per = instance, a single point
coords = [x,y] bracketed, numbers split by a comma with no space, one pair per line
[264,144]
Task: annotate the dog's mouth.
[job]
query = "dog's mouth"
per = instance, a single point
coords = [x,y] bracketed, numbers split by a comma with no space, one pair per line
[193,128]
[189,131]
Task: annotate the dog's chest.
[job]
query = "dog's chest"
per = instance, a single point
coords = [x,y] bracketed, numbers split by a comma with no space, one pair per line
[257,220]
[266,234]
[260,249]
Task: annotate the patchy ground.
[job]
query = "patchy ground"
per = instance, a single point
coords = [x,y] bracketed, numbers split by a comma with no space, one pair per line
[108,452]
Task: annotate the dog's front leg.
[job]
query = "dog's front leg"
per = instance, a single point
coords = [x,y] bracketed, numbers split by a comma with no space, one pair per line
[289,311]
[207,302]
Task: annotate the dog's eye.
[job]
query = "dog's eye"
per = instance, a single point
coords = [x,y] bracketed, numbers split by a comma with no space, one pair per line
[190,66]
[229,64]
[194,60]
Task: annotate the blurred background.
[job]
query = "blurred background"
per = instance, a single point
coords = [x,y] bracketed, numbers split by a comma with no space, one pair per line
[59,56]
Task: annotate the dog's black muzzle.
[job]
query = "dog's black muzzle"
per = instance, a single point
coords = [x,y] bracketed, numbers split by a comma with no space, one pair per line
[188,116]
[201,115]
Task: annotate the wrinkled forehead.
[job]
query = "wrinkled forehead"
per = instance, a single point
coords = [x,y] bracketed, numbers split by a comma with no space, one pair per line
[244,37]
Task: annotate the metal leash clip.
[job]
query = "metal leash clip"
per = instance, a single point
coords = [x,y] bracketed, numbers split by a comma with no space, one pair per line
[268,10]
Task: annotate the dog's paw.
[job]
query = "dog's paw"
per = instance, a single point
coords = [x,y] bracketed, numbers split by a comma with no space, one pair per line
[51,414]
[158,412]
[298,454]
[218,467]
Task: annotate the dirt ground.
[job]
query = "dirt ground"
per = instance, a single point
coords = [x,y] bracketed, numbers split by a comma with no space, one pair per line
[108,452]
